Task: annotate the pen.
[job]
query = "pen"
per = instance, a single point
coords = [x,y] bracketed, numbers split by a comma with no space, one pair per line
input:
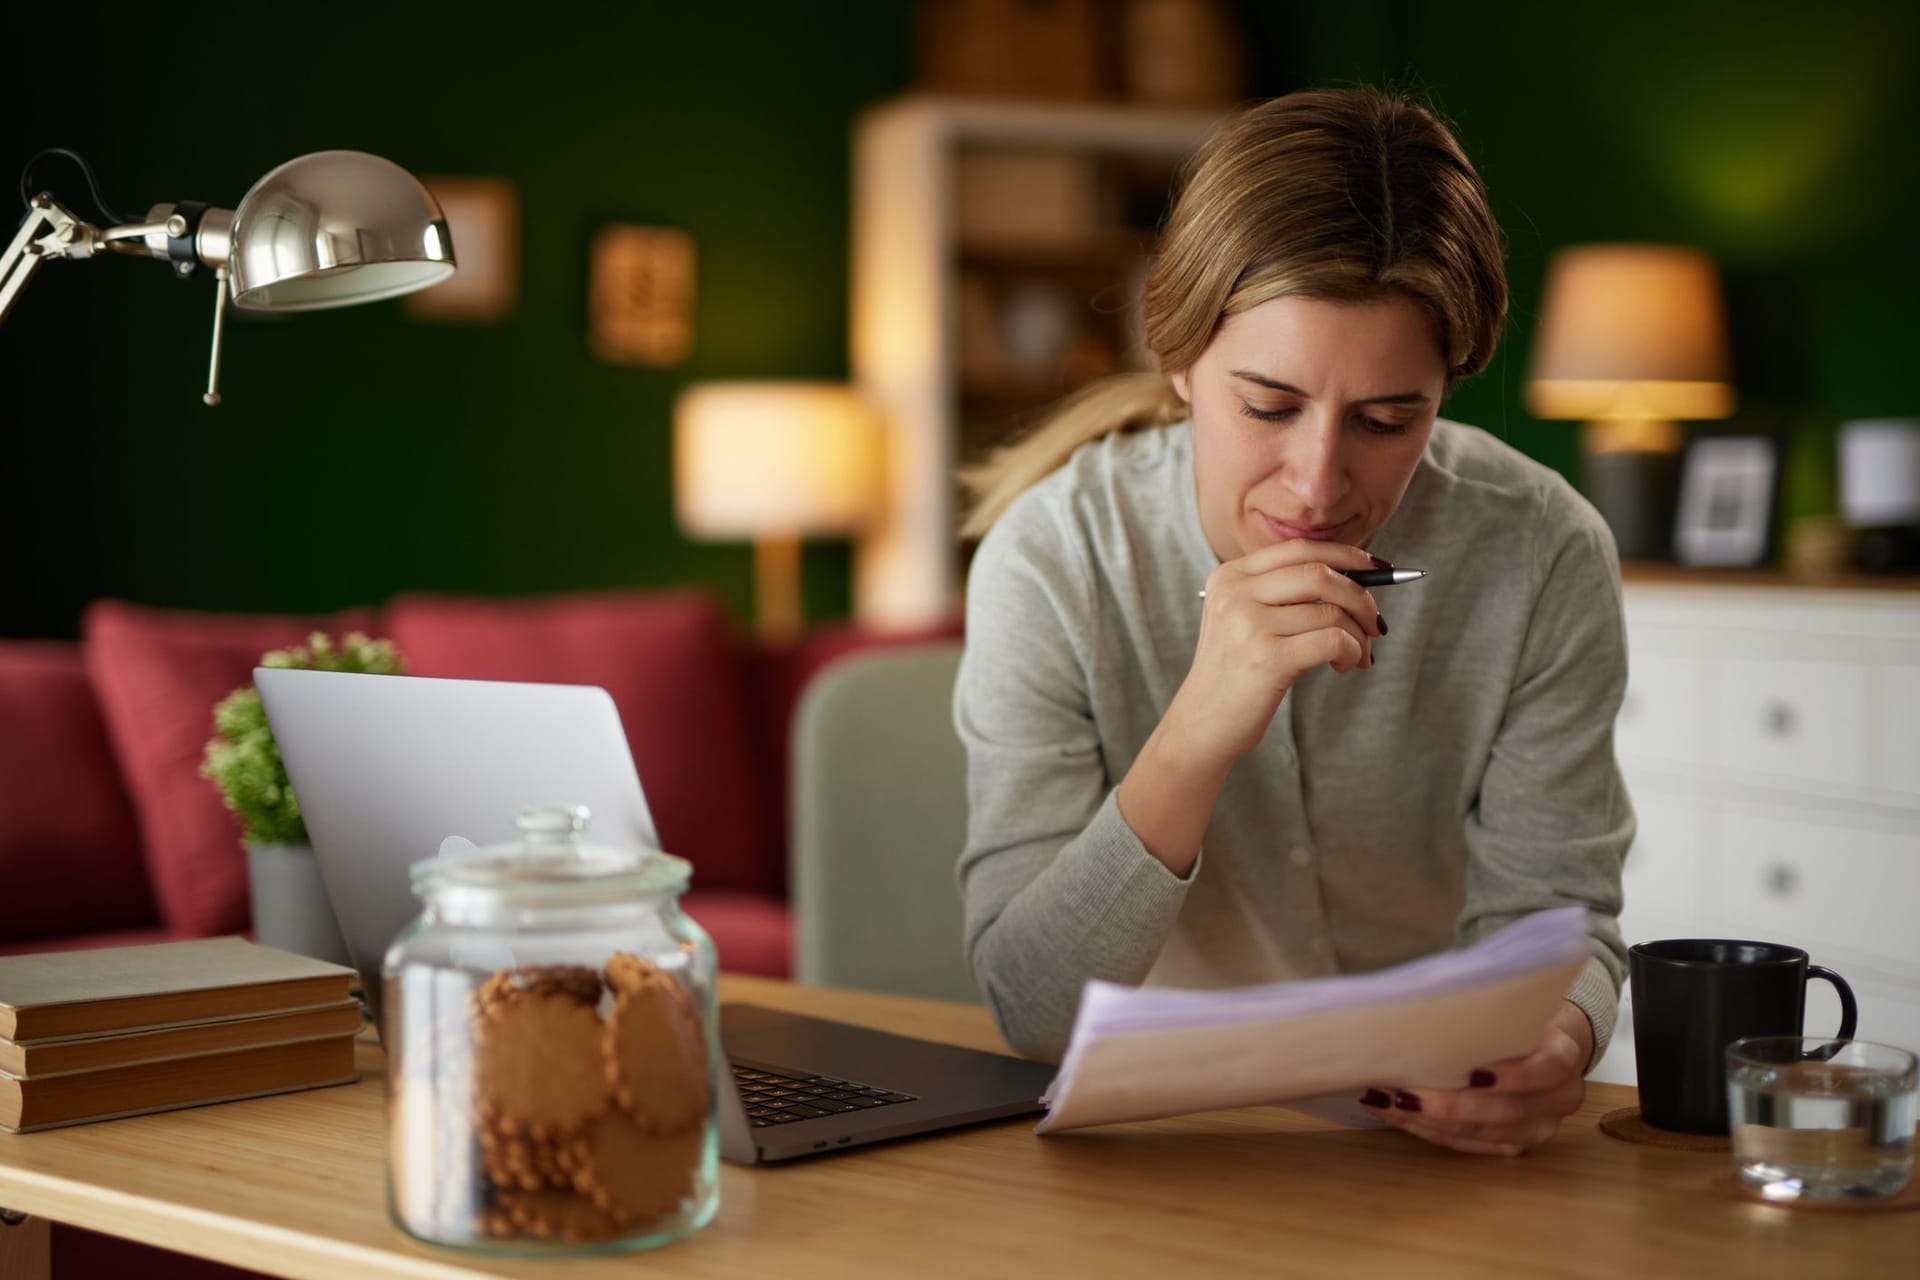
[1373,577]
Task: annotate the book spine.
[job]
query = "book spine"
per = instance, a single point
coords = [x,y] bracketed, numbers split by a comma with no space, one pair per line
[225,1019]
[176,1106]
[28,1072]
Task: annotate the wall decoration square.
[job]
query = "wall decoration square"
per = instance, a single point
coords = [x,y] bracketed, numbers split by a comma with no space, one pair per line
[483,218]
[640,295]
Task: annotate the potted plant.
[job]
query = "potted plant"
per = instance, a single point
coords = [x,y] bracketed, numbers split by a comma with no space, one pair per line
[290,906]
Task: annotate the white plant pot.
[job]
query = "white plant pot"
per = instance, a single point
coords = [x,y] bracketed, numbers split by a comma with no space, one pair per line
[290,906]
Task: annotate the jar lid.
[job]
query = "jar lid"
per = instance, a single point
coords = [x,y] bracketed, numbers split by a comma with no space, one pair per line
[549,863]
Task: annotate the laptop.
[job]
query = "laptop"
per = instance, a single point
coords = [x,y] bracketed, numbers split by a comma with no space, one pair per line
[387,767]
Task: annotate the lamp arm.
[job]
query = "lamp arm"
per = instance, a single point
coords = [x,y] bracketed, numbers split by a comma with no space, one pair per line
[50,231]
[132,237]
[211,396]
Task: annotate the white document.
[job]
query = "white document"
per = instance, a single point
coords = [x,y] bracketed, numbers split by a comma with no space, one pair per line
[1147,1053]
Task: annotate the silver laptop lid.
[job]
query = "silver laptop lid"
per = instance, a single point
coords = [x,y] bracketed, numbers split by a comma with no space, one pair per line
[386,767]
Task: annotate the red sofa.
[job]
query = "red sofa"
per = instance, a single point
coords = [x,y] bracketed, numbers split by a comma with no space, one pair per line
[108,835]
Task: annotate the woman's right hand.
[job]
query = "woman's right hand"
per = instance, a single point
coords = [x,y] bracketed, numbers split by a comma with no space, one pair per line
[1268,617]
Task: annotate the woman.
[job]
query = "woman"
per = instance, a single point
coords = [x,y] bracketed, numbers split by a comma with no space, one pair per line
[1257,784]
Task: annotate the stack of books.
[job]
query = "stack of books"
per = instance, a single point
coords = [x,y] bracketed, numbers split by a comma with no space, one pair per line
[94,1035]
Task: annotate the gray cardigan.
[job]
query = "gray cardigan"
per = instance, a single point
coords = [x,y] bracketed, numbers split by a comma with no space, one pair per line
[1467,780]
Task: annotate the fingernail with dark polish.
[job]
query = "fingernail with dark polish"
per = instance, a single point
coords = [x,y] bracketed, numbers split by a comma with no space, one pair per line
[1406,1102]
[1378,563]
[1375,1098]
[1481,1079]
[1381,619]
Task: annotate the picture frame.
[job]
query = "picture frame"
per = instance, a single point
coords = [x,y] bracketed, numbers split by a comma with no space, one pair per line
[640,295]
[483,220]
[1728,488]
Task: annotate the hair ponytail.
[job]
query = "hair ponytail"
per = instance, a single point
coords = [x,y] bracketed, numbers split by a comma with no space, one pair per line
[1123,402]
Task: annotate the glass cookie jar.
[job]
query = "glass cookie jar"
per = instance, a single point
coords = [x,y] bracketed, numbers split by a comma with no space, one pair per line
[551,1049]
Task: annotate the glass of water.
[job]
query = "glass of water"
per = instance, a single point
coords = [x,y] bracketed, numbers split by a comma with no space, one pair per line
[1818,1119]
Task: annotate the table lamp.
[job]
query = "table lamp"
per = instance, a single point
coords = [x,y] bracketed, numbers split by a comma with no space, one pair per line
[325,230]
[772,462]
[1632,338]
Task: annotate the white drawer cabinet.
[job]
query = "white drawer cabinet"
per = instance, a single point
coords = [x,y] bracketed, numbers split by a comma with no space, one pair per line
[1667,885]
[1793,720]
[1897,705]
[1822,884]
[1770,739]
[1662,717]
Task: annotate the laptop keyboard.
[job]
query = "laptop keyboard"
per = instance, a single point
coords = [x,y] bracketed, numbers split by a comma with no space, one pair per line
[781,1097]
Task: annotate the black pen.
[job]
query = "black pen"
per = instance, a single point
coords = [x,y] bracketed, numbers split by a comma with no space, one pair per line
[1373,577]
[1384,577]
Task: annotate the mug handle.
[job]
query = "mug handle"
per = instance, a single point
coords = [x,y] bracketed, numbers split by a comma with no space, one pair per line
[1848,1010]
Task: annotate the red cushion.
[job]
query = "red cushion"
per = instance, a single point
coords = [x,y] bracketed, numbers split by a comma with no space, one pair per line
[674,671]
[753,933]
[90,941]
[69,844]
[158,675]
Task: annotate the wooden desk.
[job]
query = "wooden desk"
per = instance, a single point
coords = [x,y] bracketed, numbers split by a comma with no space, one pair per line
[295,1186]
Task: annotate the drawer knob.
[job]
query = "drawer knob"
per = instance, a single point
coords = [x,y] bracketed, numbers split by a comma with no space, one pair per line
[1782,880]
[1779,719]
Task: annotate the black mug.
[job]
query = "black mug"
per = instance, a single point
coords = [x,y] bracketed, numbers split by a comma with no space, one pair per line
[1692,997]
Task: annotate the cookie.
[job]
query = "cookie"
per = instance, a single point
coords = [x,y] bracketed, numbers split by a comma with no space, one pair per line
[656,1057]
[628,974]
[556,1215]
[538,1066]
[575,981]
[521,1163]
[634,1175]
[578,982]
[497,1224]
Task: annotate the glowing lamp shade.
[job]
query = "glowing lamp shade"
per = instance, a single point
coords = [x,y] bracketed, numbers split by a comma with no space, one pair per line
[335,228]
[772,462]
[1630,333]
[757,458]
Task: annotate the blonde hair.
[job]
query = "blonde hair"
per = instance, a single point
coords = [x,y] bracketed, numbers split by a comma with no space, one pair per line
[1336,195]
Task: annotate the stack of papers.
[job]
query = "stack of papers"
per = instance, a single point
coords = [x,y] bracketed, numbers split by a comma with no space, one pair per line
[1141,1053]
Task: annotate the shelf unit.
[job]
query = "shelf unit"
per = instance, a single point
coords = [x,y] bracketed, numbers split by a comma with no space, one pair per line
[922,285]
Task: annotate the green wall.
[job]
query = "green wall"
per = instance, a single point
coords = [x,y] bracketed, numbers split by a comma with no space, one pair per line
[359,453]
[1776,136]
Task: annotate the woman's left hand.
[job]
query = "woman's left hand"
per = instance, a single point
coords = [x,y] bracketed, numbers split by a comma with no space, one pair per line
[1512,1105]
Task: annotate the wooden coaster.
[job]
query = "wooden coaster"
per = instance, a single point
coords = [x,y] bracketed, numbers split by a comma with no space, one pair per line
[1906,1200]
[1626,1125]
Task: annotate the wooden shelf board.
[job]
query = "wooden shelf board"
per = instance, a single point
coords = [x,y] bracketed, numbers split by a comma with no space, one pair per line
[1658,571]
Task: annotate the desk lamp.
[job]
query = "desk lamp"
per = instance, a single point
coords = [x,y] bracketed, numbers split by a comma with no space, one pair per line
[325,230]
[772,461]
[1632,337]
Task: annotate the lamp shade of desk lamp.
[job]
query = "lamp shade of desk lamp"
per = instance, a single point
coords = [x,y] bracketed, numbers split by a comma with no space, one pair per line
[328,229]
[336,228]
[773,462]
[1632,338]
